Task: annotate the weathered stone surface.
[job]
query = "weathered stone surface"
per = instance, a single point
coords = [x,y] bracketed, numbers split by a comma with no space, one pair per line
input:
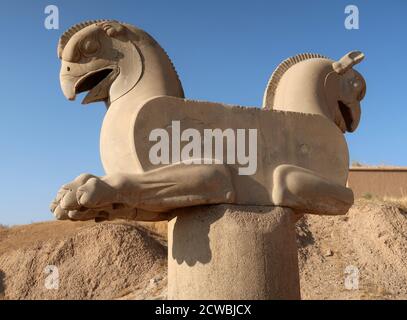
[226,251]
[232,252]
[301,155]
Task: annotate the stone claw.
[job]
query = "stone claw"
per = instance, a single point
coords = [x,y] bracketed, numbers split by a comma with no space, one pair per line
[95,193]
[85,198]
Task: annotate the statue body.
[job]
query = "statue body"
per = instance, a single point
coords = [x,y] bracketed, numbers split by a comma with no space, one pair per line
[302,156]
[327,156]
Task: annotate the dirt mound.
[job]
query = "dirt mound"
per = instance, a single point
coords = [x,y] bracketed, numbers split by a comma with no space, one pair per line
[95,261]
[371,241]
[125,260]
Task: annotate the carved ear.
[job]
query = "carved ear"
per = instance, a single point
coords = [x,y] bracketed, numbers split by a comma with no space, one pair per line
[113,29]
[348,61]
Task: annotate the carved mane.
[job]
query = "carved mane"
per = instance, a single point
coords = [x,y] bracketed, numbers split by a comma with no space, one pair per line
[268,98]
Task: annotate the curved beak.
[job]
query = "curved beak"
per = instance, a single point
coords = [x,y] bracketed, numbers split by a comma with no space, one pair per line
[352,91]
[348,116]
[68,77]
[68,86]
[75,79]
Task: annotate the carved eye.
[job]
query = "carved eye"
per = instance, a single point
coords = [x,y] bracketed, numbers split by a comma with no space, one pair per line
[89,47]
[356,83]
[359,86]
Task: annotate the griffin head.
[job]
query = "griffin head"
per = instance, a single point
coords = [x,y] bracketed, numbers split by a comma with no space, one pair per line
[345,89]
[108,59]
[314,84]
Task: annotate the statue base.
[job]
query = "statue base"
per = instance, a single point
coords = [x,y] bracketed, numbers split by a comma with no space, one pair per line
[230,252]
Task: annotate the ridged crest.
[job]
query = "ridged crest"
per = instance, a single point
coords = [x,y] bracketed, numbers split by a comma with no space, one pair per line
[141,34]
[279,72]
[72,30]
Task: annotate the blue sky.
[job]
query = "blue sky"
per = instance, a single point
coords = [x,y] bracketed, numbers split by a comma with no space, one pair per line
[223,51]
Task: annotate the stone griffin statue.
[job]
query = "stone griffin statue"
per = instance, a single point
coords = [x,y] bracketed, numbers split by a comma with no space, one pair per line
[302,156]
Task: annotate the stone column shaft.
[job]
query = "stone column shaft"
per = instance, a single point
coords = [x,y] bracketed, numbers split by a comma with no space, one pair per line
[232,252]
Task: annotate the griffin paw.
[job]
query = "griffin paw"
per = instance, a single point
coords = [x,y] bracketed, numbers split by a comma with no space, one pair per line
[83,199]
